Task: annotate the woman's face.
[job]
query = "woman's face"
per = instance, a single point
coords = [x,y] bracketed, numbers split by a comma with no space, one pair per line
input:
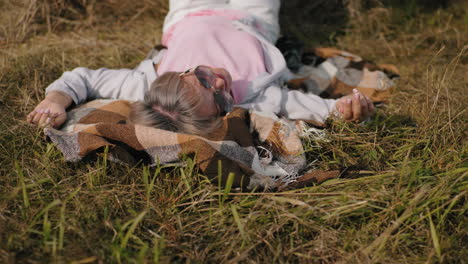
[221,83]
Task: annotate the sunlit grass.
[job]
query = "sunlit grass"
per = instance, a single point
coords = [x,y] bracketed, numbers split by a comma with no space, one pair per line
[401,200]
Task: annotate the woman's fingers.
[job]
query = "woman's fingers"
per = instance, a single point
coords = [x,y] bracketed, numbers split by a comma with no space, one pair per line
[30,116]
[357,109]
[37,117]
[48,113]
[44,118]
[58,119]
[364,108]
[347,112]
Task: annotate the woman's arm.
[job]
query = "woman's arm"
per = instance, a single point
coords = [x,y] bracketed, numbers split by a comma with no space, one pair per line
[294,104]
[82,84]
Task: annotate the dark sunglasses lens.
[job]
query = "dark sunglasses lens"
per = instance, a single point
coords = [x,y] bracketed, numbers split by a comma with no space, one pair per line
[205,76]
[204,82]
[224,104]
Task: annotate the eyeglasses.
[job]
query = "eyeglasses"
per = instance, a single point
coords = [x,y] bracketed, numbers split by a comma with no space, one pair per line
[207,79]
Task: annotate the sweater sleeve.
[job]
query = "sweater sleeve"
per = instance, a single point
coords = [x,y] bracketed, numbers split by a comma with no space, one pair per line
[292,104]
[83,84]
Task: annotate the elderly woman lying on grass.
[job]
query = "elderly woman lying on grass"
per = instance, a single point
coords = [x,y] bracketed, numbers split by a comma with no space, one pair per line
[219,54]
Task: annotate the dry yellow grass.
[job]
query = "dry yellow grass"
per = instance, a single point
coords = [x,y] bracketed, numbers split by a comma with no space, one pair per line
[404,202]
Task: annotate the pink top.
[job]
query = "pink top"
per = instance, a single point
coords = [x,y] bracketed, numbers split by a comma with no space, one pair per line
[208,38]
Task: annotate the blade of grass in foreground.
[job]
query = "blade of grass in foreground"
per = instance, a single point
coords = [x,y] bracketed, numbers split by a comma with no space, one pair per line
[435,237]
[20,174]
[133,223]
[380,242]
[239,224]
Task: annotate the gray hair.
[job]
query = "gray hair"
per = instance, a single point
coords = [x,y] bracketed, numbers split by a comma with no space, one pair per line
[170,105]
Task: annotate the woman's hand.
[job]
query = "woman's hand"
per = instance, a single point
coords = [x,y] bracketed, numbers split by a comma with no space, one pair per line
[50,111]
[355,107]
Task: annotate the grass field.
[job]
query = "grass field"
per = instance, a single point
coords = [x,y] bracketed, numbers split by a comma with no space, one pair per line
[403,200]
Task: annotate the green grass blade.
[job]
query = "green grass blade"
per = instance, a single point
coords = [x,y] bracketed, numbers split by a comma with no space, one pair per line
[435,238]
[20,174]
[131,229]
[238,221]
